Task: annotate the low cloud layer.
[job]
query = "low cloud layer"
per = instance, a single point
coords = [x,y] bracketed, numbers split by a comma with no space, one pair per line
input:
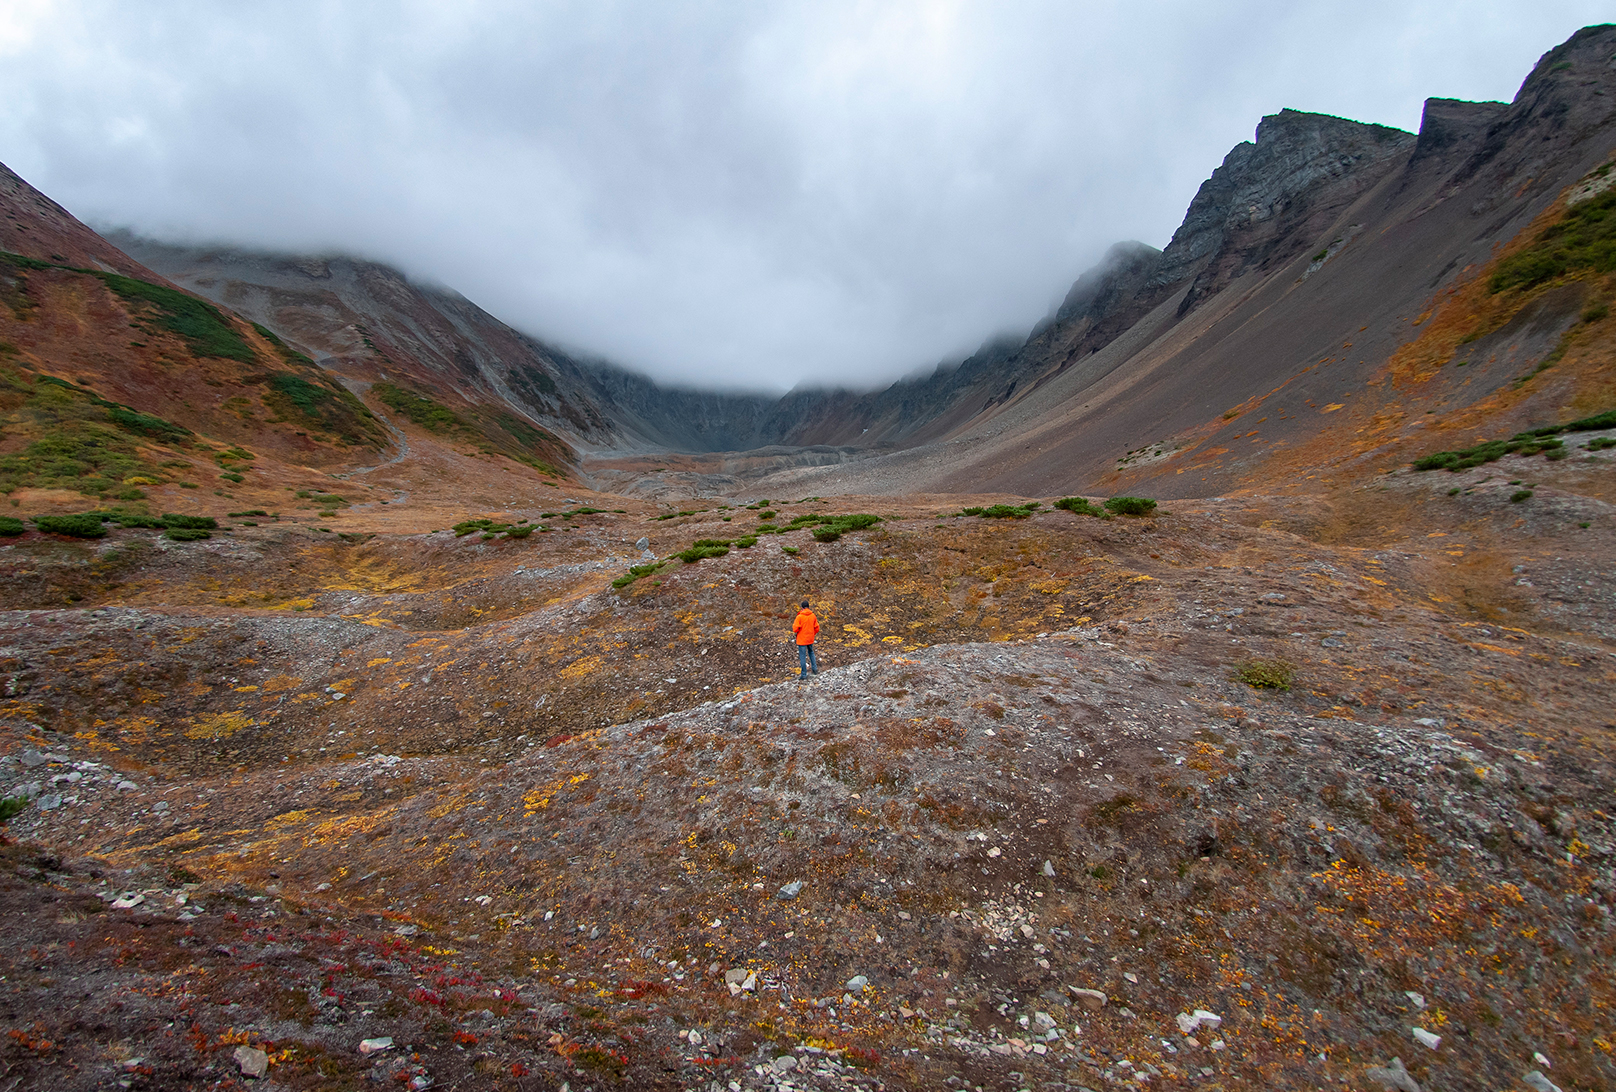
[746,195]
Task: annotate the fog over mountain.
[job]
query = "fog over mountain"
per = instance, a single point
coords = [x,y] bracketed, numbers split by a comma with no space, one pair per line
[751,196]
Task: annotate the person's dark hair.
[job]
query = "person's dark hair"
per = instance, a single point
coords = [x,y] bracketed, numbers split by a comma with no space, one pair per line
[805,604]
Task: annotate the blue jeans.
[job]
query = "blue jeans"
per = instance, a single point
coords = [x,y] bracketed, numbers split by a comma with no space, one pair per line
[806,660]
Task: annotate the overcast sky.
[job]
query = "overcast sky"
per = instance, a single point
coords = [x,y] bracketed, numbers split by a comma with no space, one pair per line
[743,194]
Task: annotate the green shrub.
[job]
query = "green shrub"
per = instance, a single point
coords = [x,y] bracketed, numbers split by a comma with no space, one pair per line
[1081,506]
[700,553]
[187,534]
[746,542]
[1584,239]
[202,326]
[421,410]
[767,513]
[637,572]
[1131,506]
[1267,674]
[289,354]
[11,525]
[79,525]
[792,550]
[146,425]
[11,805]
[233,477]
[487,526]
[832,528]
[174,520]
[1528,443]
[1520,495]
[1595,311]
[248,512]
[1600,443]
[520,532]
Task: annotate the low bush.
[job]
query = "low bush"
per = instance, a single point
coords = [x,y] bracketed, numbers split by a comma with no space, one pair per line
[1131,506]
[1081,506]
[637,572]
[1584,239]
[174,521]
[1002,511]
[78,525]
[1267,674]
[701,553]
[11,805]
[1520,495]
[187,534]
[11,525]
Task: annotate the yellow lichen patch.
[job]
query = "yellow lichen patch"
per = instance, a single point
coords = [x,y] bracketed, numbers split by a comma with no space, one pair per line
[244,689]
[538,799]
[219,725]
[862,635]
[579,668]
[380,660]
[295,604]
[133,730]
[1053,586]
[282,682]
[286,819]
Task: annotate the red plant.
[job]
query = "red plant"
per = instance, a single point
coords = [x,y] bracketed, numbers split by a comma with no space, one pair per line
[465,1038]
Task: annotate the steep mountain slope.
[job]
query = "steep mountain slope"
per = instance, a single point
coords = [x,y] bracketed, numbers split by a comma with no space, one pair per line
[1288,298]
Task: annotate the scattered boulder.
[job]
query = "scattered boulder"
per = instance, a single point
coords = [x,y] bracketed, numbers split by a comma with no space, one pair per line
[1537,1082]
[1426,1039]
[251,1061]
[858,982]
[1394,1077]
[1089,999]
[373,1046]
[790,890]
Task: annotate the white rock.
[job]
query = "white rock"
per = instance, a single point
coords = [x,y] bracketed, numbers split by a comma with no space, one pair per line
[1426,1039]
[1416,999]
[1537,1082]
[1043,1020]
[372,1046]
[1207,1019]
[1090,999]
[1187,1023]
[251,1061]
[790,890]
[784,1064]
[858,982]
[751,982]
[127,785]
[1394,1077]
[1049,869]
[129,901]
[1537,1056]
[735,976]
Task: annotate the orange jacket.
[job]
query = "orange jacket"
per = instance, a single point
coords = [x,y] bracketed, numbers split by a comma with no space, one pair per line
[806,627]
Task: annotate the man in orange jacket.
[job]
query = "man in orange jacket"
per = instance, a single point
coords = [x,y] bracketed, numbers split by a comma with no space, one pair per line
[806,627]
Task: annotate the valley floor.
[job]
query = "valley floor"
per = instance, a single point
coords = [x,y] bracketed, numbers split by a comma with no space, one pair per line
[1032,826]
